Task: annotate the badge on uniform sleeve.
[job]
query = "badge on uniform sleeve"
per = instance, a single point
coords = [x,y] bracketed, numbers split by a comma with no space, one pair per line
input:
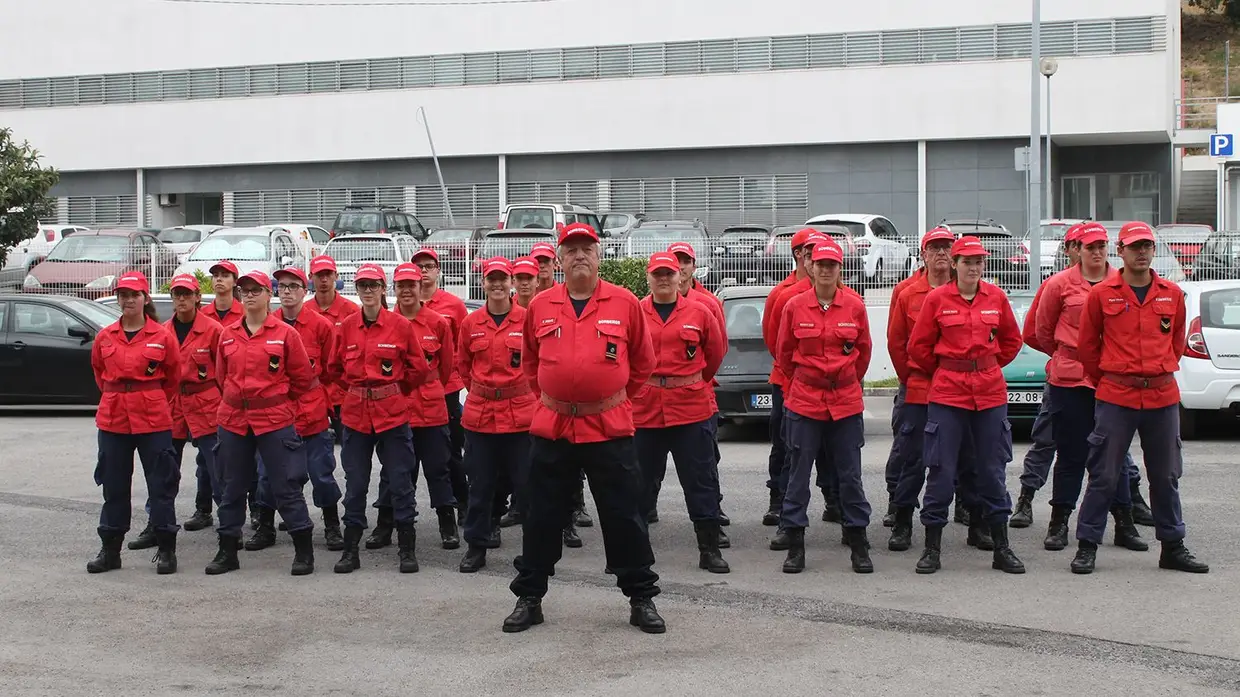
[1164,324]
[202,372]
[690,351]
[611,352]
[514,359]
[273,364]
[151,367]
[386,366]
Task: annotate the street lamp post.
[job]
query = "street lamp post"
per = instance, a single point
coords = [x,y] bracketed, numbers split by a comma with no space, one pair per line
[1035,149]
[1048,67]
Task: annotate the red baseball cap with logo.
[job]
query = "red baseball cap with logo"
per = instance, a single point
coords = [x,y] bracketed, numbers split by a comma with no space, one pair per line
[258,277]
[1074,233]
[322,263]
[682,248]
[828,250]
[227,266]
[370,272]
[407,271]
[801,237]
[186,281]
[543,250]
[426,252]
[496,265]
[136,281]
[1135,231]
[525,265]
[293,271]
[663,260]
[1090,233]
[938,234]
[578,231]
[969,246]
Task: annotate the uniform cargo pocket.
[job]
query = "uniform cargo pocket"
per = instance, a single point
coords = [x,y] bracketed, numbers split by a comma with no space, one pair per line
[1005,443]
[930,445]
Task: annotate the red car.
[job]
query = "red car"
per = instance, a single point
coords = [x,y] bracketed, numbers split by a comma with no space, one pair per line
[87,263]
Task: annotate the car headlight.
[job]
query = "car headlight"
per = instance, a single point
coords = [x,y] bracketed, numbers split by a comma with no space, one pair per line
[101,282]
[31,282]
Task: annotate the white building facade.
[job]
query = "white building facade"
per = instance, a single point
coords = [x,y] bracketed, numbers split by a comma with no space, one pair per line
[728,110]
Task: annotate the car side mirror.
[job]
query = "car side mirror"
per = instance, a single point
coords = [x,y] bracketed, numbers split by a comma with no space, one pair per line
[81,333]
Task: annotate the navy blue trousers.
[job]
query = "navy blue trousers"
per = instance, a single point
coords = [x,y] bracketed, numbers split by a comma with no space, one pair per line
[456,448]
[430,446]
[397,458]
[843,441]
[775,432]
[320,469]
[1073,412]
[691,448]
[114,472]
[1041,454]
[205,474]
[951,432]
[896,459]
[906,448]
[490,460]
[284,459]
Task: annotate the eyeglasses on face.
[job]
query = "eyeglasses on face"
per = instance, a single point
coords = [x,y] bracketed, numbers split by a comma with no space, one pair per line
[291,287]
[369,286]
[251,291]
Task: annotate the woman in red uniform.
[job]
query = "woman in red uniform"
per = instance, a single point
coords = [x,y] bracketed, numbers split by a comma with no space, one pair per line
[965,334]
[380,363]
[137,368]
[824,347]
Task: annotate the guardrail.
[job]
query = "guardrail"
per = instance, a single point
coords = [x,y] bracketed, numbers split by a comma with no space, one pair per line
[1198,112]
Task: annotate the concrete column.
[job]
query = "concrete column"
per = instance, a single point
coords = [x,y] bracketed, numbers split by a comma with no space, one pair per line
[503,184]
[141,198]
[922,196]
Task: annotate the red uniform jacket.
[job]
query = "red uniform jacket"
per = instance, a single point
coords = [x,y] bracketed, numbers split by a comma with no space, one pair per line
[1029,332]
[1057,326]
[500,399]
[195,404]
[1122,337]
[603,354]
[772,319]
[453,309]
[271,368]
[899,288]
[904,313]
[690,345]
[235,312]
[318,337]
[825,353]
[336,314]
[949,330]
[138,378]
[434,335]
[384,357]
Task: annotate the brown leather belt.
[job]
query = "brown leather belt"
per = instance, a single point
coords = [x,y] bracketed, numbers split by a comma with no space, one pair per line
[968,366]
[825,384]
[374,393]
[236,402]
[499,393]
[188,388]
[1140,381]
[132,385]
[584,408]
[674,380]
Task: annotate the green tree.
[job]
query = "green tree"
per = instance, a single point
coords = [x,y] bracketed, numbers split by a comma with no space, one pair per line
[204,284]
[627,273]
[1230,8]
[24,185]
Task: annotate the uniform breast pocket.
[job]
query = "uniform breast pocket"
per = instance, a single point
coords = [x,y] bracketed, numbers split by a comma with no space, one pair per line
[430,349]
[692,340]
[152,357]
[385,360]
[988,328]
[107,350]
[202,365]
[513,344]
[809,340]
[615,341]
[549,337]
[1165,312]
[1072,306]
[273,358]
[847,339]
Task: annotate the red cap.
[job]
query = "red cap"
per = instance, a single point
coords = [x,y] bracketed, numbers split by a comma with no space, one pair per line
[578,230]
[370,272]
[1091,233]
[494,264]
[227,266]
[682,248]
[407,271]
[186,281]
[801,237]
[969,246]
[525,265]
[258,277]
[663,260]
[1073,233]
[828,250]
[1135,232]
[294,271]
[543,250]
[322,263]
[426,252]
[937,235]
[136,281]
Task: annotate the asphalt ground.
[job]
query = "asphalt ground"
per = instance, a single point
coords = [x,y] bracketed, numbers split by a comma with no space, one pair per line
[1128,629]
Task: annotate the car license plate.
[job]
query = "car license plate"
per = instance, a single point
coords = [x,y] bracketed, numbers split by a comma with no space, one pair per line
[1024,397]
[760,401]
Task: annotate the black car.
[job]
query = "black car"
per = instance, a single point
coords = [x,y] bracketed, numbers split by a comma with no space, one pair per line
[1008,263]
[353,220]
[778,261]
[45,343]
[1219,258]
[508,244]
[744,389]
[738,255]
[164,308]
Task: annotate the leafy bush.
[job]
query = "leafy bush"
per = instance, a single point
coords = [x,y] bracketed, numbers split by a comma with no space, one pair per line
[627,273]
[204,284]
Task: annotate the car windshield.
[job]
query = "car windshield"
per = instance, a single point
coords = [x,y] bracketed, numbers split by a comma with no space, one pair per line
[1183,233]
[751,239]
[179,235]
[783,237]
[530,218]
[358,222]
[855,229]
[233,248]
[99,248]
[100,315]
[744,317]
[450,235]
[361,249]
[511,246]
[1020,305]
[648,241]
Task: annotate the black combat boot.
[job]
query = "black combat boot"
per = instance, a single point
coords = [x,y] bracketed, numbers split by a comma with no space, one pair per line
[1086,557]
[253,513]
[652,516]
[724,520]
[265,535]
[109,556]
[709,557]
[581,518]
[781,541]
[860,545]
[1022,517]
[526,614]
[902,531]
[1005,559]
[961,514]
[1126,533]
[571,538]
[979,535]
[929,562]
[447,527]
[303,552]
[795,562]
[1057,530]
[643,615]
[1141,513]
[830,507]
[351,560]
[199,521]
[510,519]
[331,529]
[889,520]
[495,539]
[381,536]
[724,541]
[145,539]
[771,517]
[1175,556]
[407,541]
[475,558]
[226,558]
[165,558]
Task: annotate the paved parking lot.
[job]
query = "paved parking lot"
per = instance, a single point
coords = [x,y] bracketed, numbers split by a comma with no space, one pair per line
[1128,629]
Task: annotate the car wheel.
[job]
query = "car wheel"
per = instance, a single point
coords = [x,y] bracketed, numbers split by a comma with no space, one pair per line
[1189,421]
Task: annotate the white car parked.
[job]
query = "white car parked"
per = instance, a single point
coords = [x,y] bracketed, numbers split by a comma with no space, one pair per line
[264,249]
[182,239]
[30,251]
[884,257]
[383,249]
[1209,376]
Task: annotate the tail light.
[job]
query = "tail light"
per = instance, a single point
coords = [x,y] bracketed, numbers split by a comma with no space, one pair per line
[1196,347]
[1021,257]
[382,231]
[331,234]
[49,235]
[500,224]
[559,227]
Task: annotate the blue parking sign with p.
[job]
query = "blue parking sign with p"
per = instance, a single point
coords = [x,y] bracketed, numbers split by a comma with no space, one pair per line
[1222,145]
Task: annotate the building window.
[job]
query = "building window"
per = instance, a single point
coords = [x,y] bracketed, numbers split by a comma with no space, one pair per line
[36,93]
[64,91]
[233,82]
[579,63]
[647,60]
[545,64]
[939,45]
[753,54]
[719,56]
[148,87]
[384,74]
[90,89]
[354,75]
[417,72]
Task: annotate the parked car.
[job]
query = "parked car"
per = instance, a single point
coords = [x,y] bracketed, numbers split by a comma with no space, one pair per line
[45,344]
[88,262]
[1209,375]
[546,216]
[778,254]
[885,258]
[509,244]
[1026,374]
[657,235]
[457,247]
[1050,237]
[182,239]
[359,219]
[743,392]
[25,255]
[386,250]
[311,239]
[1185,241]
[264,248]
[619,225]
[1219,257]
[738,255]
[1164,263]
[1008,263]
[165,310]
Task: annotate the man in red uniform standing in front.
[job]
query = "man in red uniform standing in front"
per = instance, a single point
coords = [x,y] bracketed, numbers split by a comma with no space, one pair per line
[333,306]
[586,352]
[1131,340]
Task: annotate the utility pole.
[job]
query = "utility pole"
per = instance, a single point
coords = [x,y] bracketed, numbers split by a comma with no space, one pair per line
[1035,149]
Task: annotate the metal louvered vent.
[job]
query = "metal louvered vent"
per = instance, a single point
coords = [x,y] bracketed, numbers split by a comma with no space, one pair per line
[819,51]
[310,206]
[103,210]
[473,205]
